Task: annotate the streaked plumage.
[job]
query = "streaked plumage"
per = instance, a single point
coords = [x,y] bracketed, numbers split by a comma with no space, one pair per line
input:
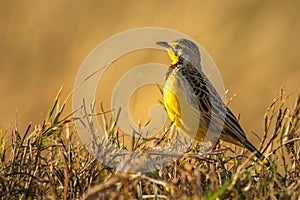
[193,103]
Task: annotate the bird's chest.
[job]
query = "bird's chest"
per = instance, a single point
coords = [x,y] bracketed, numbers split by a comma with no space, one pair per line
[170,94]
[176,91]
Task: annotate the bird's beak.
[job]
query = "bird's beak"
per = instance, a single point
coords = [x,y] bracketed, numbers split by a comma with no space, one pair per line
[163,44]
[168,45]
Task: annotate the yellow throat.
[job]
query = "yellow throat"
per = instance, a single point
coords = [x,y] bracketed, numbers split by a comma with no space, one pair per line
[173,56]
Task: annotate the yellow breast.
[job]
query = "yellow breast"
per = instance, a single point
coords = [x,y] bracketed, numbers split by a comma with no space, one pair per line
[181,108]
[171,102]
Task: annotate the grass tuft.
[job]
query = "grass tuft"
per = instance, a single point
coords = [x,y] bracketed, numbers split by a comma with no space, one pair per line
[47,161]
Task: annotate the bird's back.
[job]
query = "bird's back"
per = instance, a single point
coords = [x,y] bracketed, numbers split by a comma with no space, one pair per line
[213,116]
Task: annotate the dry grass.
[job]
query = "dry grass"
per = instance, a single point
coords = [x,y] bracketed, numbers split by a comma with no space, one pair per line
[47,162]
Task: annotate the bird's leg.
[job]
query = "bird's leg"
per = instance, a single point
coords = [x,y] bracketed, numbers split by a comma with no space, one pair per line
[210,147]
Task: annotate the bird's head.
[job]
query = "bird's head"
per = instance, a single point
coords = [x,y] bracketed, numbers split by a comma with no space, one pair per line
[182,50]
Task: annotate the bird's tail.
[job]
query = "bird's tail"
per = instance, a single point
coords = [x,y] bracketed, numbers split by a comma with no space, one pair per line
[257,153]
[261,157]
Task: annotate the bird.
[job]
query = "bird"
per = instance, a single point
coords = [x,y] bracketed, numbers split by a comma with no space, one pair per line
[192,102]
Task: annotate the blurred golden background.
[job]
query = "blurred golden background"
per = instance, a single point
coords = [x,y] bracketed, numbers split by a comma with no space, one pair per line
[255,44]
